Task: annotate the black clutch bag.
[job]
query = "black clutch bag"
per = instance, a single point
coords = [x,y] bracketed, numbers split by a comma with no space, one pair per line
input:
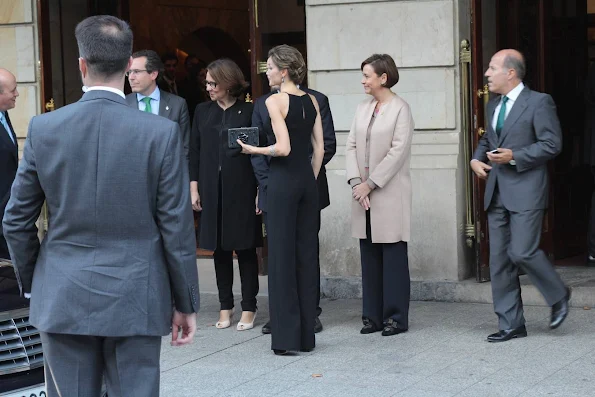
[248,135]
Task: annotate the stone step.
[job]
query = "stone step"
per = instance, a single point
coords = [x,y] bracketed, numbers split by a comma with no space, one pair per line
[580,279]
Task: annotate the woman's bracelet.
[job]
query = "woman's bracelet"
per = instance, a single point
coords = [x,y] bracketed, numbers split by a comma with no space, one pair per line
[272,151]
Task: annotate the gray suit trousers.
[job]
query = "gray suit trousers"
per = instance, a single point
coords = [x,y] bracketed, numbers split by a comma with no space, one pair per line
[75,365]
[514,244]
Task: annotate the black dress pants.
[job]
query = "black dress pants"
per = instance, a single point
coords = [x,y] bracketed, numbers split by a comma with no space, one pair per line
[318,309]
[248,263]
[385,280]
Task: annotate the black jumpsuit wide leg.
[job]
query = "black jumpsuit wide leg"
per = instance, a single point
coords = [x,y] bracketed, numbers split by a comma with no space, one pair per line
[292,232]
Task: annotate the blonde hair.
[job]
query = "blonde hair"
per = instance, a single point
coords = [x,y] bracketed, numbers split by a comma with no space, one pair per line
[287,57]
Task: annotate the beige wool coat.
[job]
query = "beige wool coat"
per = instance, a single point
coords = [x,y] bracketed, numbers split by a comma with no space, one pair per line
[390,155]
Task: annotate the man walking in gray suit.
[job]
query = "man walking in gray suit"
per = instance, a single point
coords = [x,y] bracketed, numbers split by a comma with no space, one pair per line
[117,268]
[147,97]
[523,135]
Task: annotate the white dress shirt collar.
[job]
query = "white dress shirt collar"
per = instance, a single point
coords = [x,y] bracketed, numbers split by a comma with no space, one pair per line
[155,95]
[104,88]
[515,92]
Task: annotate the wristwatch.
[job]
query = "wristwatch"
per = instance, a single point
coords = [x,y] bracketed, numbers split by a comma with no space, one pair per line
[512,162]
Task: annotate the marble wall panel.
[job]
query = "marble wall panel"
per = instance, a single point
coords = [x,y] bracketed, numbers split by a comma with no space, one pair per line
[17,51]
[430,93]
[416,34]
[16,11]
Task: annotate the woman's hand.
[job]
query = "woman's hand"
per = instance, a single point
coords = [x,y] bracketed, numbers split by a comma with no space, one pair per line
[365,203]
[195,199]
[360,191]
[258,210]
[247,149]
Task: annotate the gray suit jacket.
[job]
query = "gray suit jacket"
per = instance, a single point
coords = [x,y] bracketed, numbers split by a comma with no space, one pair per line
[532,131]
[174,108]
[120,249]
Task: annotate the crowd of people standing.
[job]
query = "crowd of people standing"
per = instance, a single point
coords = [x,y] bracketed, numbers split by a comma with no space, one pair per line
[121,175]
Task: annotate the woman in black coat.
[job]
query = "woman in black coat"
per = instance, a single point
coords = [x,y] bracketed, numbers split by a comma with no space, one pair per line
[223,187]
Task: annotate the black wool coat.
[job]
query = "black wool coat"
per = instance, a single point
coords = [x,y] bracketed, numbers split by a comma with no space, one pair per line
[219,170]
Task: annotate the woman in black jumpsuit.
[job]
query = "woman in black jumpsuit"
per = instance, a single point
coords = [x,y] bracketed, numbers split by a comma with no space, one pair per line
[223,187]
[292,198]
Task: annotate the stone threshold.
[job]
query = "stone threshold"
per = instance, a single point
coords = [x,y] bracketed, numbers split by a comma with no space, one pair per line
[580,279]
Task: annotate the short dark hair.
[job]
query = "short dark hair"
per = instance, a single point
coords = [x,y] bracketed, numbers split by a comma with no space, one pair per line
[383,63]
[227,73]
[105,42]
[287,57]
[516,63]
[169,56]
[153,64]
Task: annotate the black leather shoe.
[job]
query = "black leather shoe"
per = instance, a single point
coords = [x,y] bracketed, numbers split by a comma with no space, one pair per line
[392,328]
[317,325]
[560,311]
[306,350]
[508,334]
[369,327]
[266,329]
[279,352]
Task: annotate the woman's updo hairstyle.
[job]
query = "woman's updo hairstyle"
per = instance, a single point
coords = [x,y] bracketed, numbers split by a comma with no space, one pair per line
[287,57]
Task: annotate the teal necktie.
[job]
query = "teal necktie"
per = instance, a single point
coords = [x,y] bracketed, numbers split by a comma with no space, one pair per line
[147,101]
[501,116]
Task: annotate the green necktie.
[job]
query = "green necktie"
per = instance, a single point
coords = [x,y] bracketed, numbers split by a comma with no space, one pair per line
[147,101]
[501,116]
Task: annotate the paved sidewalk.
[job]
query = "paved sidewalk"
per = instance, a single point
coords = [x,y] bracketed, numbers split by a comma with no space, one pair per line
[443,354]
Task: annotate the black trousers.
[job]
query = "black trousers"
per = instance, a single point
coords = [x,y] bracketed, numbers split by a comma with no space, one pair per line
[591,242]
[318,309]
[248,263]
[385,280]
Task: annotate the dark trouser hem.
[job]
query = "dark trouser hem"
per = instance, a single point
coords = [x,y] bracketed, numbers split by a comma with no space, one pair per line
[386,283]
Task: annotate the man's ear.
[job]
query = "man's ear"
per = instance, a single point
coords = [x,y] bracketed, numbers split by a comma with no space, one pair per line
[83,67]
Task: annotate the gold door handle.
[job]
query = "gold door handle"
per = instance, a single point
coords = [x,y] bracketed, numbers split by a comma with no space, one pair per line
[485,91]
[481,131]
[50,106]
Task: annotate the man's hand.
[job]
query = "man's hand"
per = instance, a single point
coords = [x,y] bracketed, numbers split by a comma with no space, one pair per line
[480,168]
[195,198]
[503,157]
[187,323]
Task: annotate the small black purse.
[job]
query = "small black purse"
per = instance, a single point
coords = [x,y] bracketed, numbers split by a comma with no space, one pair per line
[248,135]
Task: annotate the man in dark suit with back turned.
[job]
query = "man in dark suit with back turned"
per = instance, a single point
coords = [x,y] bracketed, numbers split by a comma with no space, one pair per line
[147,97]
[117,268]
[261,119]
[523,134]
[9,149]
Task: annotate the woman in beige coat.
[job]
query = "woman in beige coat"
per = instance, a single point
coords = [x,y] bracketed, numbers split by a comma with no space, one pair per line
[378,155]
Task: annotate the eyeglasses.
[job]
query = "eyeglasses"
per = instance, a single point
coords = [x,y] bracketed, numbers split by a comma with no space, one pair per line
[211,84]
[136,71]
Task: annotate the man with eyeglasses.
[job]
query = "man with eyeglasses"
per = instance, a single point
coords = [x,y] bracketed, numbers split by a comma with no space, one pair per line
[147,97]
